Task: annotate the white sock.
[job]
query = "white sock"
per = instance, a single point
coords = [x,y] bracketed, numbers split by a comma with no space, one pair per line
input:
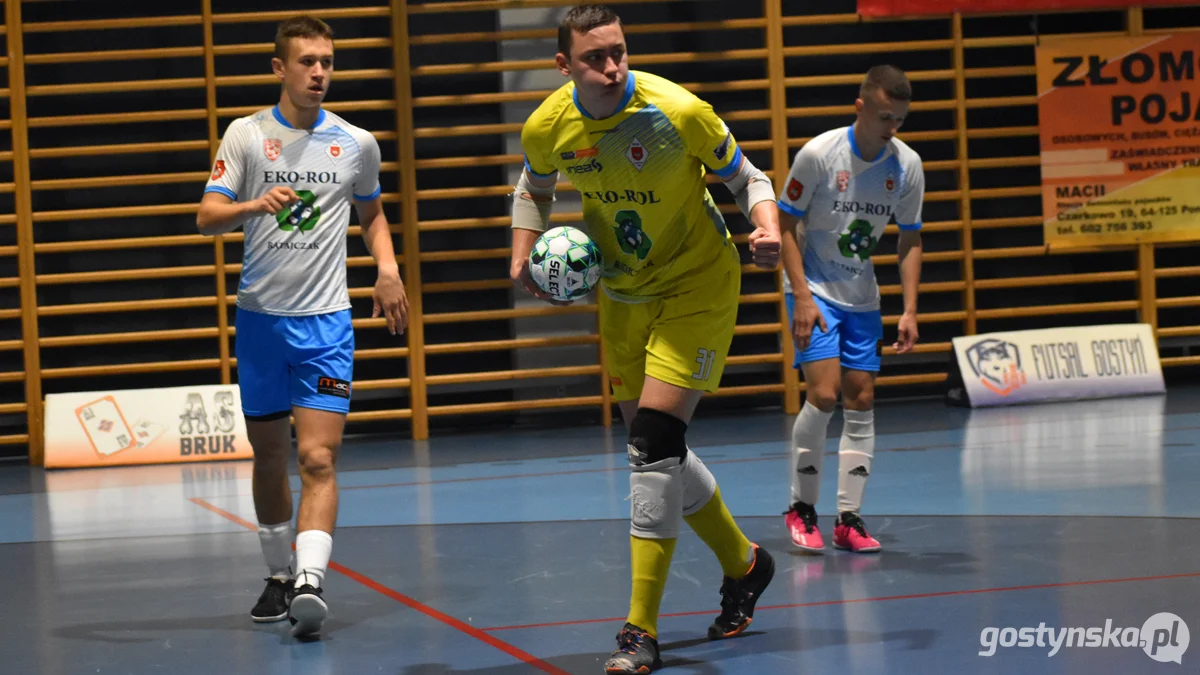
[854,458]
[313,549]
[276,541]
[808,449]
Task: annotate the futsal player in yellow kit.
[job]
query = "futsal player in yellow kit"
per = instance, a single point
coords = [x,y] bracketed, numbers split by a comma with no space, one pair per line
[636,147]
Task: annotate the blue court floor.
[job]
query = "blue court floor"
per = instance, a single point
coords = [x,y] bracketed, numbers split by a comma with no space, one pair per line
[507,553]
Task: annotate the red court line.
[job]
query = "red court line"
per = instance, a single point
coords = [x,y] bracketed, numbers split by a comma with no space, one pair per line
[407,601]
[851,601]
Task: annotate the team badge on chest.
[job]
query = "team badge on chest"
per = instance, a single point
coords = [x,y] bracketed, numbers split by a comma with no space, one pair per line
[890,183]
[334,150]
[843,180]
[637,154]
[272,147]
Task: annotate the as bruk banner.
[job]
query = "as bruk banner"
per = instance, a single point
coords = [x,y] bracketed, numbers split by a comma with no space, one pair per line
[145,426]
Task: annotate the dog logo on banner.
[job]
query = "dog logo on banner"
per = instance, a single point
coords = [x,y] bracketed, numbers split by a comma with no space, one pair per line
[997,364]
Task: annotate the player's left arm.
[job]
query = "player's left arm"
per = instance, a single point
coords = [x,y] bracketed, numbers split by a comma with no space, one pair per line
[711,141]
[390,298]
[908,218]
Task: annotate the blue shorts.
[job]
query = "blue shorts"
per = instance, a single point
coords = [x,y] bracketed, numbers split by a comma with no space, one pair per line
[855,337]
[285,361]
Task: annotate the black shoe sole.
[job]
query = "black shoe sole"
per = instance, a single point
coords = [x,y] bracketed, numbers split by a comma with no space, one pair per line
[716,633]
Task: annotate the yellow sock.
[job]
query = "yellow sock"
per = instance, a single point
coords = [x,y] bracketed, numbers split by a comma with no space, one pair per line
[715,526]
[651,565]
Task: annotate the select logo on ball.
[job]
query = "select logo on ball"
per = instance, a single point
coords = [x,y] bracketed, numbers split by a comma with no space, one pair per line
[565,263]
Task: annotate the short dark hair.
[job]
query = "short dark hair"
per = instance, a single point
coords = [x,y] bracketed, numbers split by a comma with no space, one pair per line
[583,18]
[890,79]
[299,27]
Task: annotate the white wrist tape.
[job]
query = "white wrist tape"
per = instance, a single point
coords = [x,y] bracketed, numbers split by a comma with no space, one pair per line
[749,187]
[532,205]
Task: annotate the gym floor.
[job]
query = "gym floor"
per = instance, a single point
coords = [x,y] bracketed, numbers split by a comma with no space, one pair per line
[504,554]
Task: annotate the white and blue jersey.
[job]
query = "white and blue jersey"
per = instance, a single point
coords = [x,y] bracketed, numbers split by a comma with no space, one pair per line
[294,262]
[295,341]
[845,202]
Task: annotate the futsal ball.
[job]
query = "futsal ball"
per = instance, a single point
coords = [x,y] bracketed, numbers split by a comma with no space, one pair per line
[565,263]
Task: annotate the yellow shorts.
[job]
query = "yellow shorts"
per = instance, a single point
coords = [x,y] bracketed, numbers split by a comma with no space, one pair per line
[680,339]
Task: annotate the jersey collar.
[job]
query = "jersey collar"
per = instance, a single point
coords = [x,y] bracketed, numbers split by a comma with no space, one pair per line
[282,120]
[854,146]
[629,86]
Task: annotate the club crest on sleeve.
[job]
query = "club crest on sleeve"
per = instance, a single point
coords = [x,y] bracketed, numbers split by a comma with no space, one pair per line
[723,148]
[218,169]
[272,147]
[794,189]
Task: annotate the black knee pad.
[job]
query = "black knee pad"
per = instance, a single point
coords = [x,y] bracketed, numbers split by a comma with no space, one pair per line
[655,436]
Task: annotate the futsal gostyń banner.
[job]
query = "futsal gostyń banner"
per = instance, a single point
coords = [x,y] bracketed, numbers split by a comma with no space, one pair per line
[1119,123]
[1054,364]
[145,426]
[880,8]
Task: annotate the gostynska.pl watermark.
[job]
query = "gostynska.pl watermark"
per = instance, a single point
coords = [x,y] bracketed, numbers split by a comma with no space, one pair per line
[1164,637]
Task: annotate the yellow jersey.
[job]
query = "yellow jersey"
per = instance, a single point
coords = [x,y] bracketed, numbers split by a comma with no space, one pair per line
[641,174]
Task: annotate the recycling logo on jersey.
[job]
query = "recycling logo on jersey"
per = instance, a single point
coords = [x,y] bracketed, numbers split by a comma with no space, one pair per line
[302,215]
[858,241]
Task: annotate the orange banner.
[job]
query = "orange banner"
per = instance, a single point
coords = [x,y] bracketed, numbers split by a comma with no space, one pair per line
[1119,121]
[874,8]
[145,426]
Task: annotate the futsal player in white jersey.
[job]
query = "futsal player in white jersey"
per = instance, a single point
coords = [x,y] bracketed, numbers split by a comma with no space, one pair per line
[289,175]
[845,186]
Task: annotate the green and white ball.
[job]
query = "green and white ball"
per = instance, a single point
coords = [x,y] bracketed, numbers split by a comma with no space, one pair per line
[565,263]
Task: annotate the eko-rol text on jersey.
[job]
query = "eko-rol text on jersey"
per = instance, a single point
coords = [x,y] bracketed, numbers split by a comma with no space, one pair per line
[846,202]
[295,261]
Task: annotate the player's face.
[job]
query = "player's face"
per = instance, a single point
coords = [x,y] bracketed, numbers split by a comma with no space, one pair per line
[306,72]
[879,116]
[598,63]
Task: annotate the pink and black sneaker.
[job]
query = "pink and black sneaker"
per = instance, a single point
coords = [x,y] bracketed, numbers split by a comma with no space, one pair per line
[850,534]
[801,522]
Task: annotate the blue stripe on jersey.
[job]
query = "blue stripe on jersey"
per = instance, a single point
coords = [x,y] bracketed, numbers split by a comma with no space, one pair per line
[534,173]
[854,146]
[629,88]
[732,167]
[371,196]
[222,190]
[788,208]
[279,118]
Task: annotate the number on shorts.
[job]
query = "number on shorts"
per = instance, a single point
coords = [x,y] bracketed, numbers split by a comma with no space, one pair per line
[705,358]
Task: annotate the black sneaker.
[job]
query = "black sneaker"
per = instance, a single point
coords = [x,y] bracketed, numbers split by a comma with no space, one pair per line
[273,603]
[636,653]
[738,597]
[307,611]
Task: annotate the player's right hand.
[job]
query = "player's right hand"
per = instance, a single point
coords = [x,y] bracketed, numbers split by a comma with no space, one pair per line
[806,316]
[276,200]
[522,279]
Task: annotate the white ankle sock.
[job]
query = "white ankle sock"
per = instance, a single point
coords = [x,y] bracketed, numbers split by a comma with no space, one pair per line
[313,549]
[276,541]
